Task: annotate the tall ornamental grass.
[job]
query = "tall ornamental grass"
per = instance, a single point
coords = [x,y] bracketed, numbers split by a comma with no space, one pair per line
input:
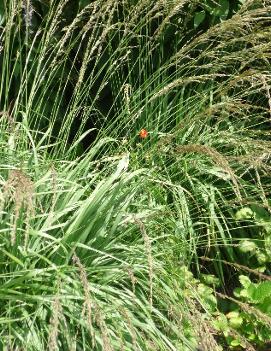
[79,268]
[99,226]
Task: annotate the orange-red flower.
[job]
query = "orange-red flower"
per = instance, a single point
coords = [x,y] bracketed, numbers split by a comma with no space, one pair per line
[143,133]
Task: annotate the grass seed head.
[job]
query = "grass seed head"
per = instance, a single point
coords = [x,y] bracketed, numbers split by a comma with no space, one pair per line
[148,249]
[202,328]
[89,305]
[54,324]
[19,188]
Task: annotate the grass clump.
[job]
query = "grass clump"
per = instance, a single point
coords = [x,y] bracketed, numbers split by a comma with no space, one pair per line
[100,226]
[76,283]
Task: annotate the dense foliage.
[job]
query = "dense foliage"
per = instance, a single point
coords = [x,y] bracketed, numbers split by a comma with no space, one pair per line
[134,175]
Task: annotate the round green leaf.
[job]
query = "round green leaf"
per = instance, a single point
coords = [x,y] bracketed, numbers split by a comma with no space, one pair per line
[247,246]
[235,320]
[244,213]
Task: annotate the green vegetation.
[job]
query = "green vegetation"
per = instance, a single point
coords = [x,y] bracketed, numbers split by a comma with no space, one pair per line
[112,239]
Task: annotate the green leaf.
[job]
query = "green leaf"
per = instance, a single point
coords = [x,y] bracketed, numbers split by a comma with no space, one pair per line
[222,10]
[260,213]
[245,281]
[266,306]
[235,320]
[199,18]
[210,279]
[221,323]
[235,342]
[207,296]
[261,257]
[247,246]
[258,292]
[244,213]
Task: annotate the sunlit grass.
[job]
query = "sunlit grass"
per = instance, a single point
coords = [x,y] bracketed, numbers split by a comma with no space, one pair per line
[97,222]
